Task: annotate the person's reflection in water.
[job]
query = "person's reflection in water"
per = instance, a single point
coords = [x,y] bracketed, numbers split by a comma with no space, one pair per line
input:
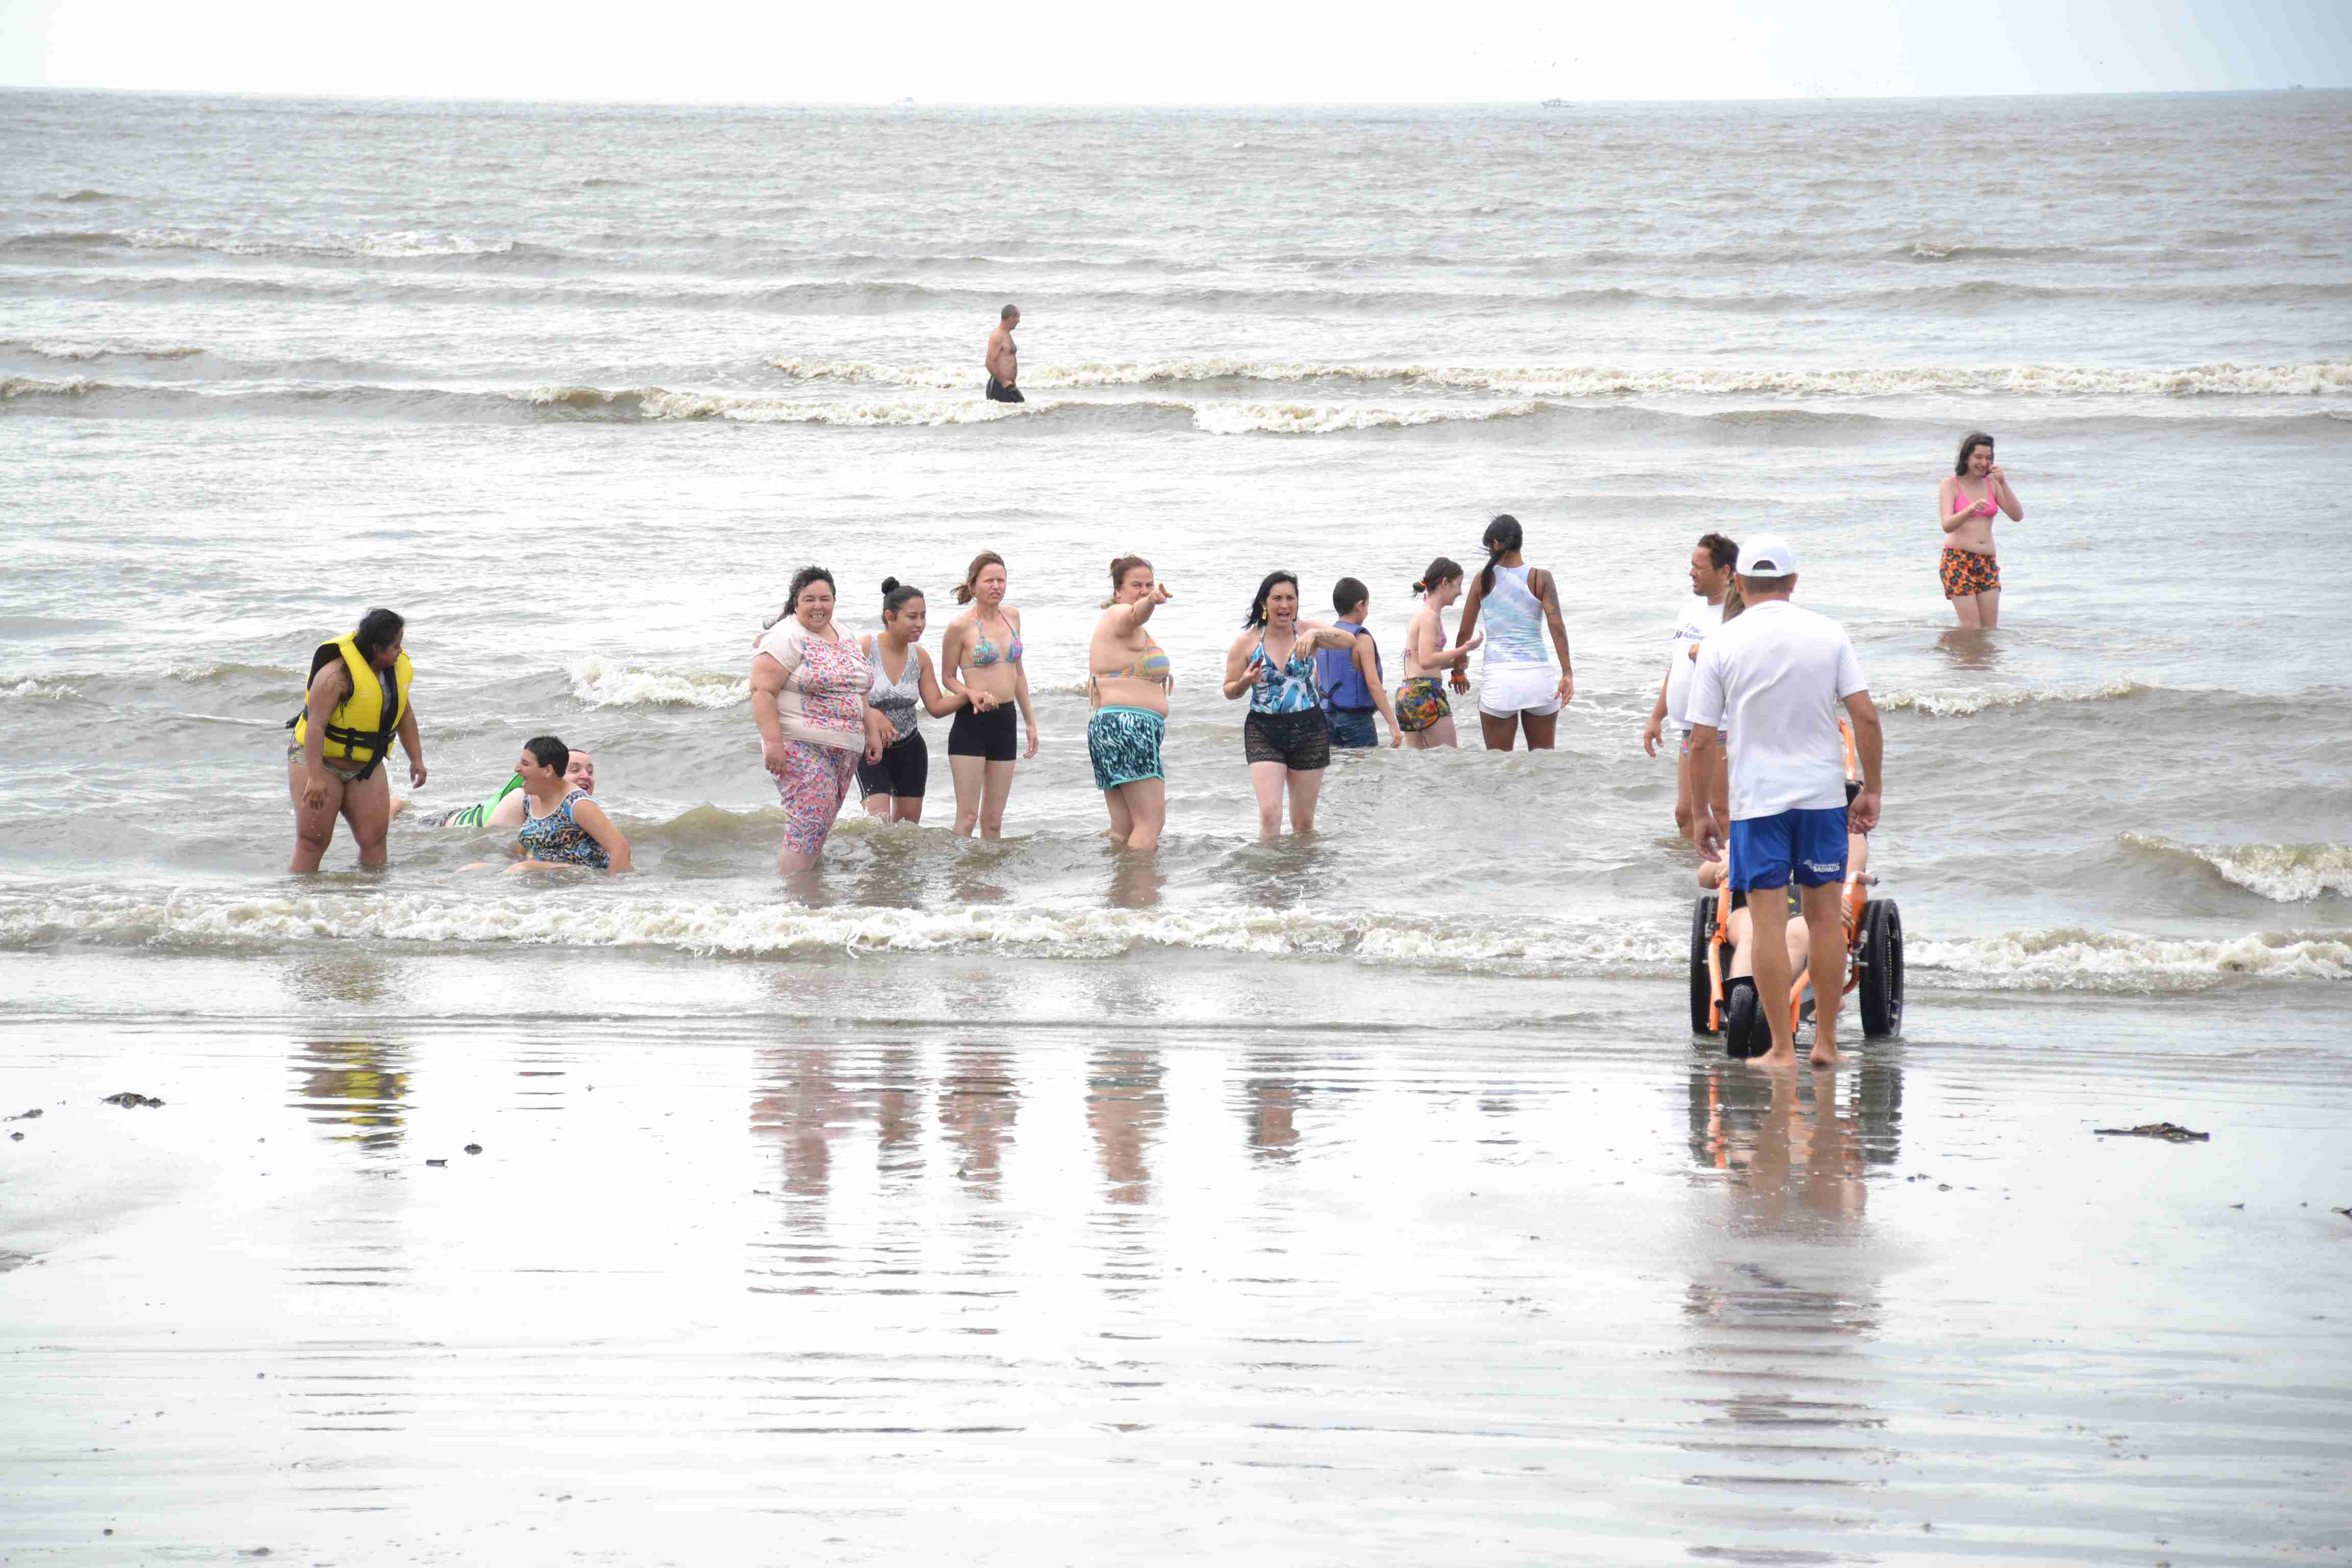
[1272,1107]
[1969,648]
[1124,1106]
[799,1105]
[1136,881]
[892,876]
[1779,1327]
[898,1115]
[359,1087]
[978,1101]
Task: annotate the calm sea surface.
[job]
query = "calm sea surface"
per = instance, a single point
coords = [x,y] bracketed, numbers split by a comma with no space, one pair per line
[578,388]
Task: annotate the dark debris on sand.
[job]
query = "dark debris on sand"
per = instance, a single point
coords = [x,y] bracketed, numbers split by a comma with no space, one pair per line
[2170,1131]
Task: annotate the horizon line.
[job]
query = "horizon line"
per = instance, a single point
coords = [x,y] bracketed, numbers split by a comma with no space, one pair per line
[658,102]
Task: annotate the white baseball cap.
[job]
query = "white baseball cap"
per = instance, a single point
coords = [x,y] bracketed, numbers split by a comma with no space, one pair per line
[1767,556]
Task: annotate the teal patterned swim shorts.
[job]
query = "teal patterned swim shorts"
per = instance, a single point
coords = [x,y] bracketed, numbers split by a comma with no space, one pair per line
[1124,743]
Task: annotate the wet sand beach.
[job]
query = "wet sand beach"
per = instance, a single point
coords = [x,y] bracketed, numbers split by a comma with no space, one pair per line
[1063,1263]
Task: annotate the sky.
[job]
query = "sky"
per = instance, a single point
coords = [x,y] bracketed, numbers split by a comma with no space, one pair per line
[1199,52]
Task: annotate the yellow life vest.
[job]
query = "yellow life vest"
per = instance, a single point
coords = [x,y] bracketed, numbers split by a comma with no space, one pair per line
[360,728]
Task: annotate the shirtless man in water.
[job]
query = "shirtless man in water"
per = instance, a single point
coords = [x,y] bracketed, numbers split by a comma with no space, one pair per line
[1004,359]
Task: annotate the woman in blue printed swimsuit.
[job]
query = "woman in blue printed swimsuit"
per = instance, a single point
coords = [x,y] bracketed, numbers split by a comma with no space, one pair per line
[1285,737]
[560,826]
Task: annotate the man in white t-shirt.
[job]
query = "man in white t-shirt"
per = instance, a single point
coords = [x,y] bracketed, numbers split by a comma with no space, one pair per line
[1771,680]
[1710,579]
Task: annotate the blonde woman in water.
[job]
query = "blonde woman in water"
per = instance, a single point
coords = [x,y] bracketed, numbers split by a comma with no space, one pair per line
[1423,710]
[980,661]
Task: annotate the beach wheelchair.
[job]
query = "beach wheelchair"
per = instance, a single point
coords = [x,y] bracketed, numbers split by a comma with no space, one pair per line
[1874,971]
[1874,956]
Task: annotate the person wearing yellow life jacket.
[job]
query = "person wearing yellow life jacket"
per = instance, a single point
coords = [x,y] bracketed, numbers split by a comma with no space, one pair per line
[359,700]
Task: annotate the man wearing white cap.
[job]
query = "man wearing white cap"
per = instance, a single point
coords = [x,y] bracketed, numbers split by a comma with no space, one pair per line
[1770,681]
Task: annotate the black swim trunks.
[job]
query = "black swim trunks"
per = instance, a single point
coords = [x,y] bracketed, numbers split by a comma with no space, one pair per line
[904,771]
[1000,393]
[995,734]
[1299,741]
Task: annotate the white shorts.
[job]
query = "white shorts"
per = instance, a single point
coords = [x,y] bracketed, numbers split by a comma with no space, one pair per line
[1506,689]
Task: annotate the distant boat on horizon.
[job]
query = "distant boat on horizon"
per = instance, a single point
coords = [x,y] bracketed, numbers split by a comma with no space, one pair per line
[1558,103]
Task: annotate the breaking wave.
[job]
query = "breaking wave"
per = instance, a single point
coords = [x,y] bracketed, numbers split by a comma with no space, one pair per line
[220,920]
[2070,959]
[223,920]
[380,244]
[2282,873]
[598,684]
[1961,704]
[2315,378]
[82,353]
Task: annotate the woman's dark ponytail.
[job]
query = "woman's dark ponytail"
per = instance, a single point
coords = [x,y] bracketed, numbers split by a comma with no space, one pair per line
[1503,537]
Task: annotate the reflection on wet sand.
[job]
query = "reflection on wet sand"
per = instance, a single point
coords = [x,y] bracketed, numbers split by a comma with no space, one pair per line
[798,1113]
[358,1086]
[1271,1107]
[1782,1308]
[1124,1105]
[978,1099]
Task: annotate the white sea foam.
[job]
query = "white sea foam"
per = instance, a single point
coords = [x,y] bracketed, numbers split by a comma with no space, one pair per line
[389,244]
[658,403]
[2067,959]
[2070,959]
[600,683]
[2284,873]
[80,352]
[226,920]
[1324,419]
[32,689]
[2313,378]
[1961,704]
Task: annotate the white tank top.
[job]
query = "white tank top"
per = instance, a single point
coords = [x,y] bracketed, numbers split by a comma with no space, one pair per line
[1514,620]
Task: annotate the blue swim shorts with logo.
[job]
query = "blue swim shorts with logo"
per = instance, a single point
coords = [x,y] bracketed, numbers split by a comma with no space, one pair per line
[1768,852]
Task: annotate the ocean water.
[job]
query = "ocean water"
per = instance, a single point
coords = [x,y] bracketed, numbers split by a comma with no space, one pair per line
[577,389]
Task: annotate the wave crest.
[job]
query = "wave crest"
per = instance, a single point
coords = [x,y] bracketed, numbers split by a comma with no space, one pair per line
[2070,959]
[2282,873]
[1962,704]
[599,684]
[2313,378]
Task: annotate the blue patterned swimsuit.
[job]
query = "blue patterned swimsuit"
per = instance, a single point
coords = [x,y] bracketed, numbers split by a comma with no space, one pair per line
[557,837]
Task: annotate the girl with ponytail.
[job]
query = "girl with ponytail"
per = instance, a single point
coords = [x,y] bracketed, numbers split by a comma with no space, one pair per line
[1421,708]
[1519,687]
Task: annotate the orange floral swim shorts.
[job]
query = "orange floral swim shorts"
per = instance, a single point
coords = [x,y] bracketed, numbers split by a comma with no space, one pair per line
[1967,572]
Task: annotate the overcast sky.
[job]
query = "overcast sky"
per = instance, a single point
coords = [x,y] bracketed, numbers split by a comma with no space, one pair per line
[1203,51]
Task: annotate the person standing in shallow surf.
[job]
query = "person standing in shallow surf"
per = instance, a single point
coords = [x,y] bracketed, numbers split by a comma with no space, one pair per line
[894,787]
[1284,737]
[1127,676]
[1004,359]
[357,698]
[1710,579]
[1354,688]
[1965,505]
[809,681]
[1421,708]
[1519,684]
[1771,680]
[980,661]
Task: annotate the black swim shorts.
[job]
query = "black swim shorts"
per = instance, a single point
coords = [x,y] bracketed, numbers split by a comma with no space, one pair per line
[1000,393]
[995,734]
[903,773]
[1299,741]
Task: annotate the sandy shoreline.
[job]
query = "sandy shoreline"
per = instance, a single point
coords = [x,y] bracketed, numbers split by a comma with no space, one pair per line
[1034,1288]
